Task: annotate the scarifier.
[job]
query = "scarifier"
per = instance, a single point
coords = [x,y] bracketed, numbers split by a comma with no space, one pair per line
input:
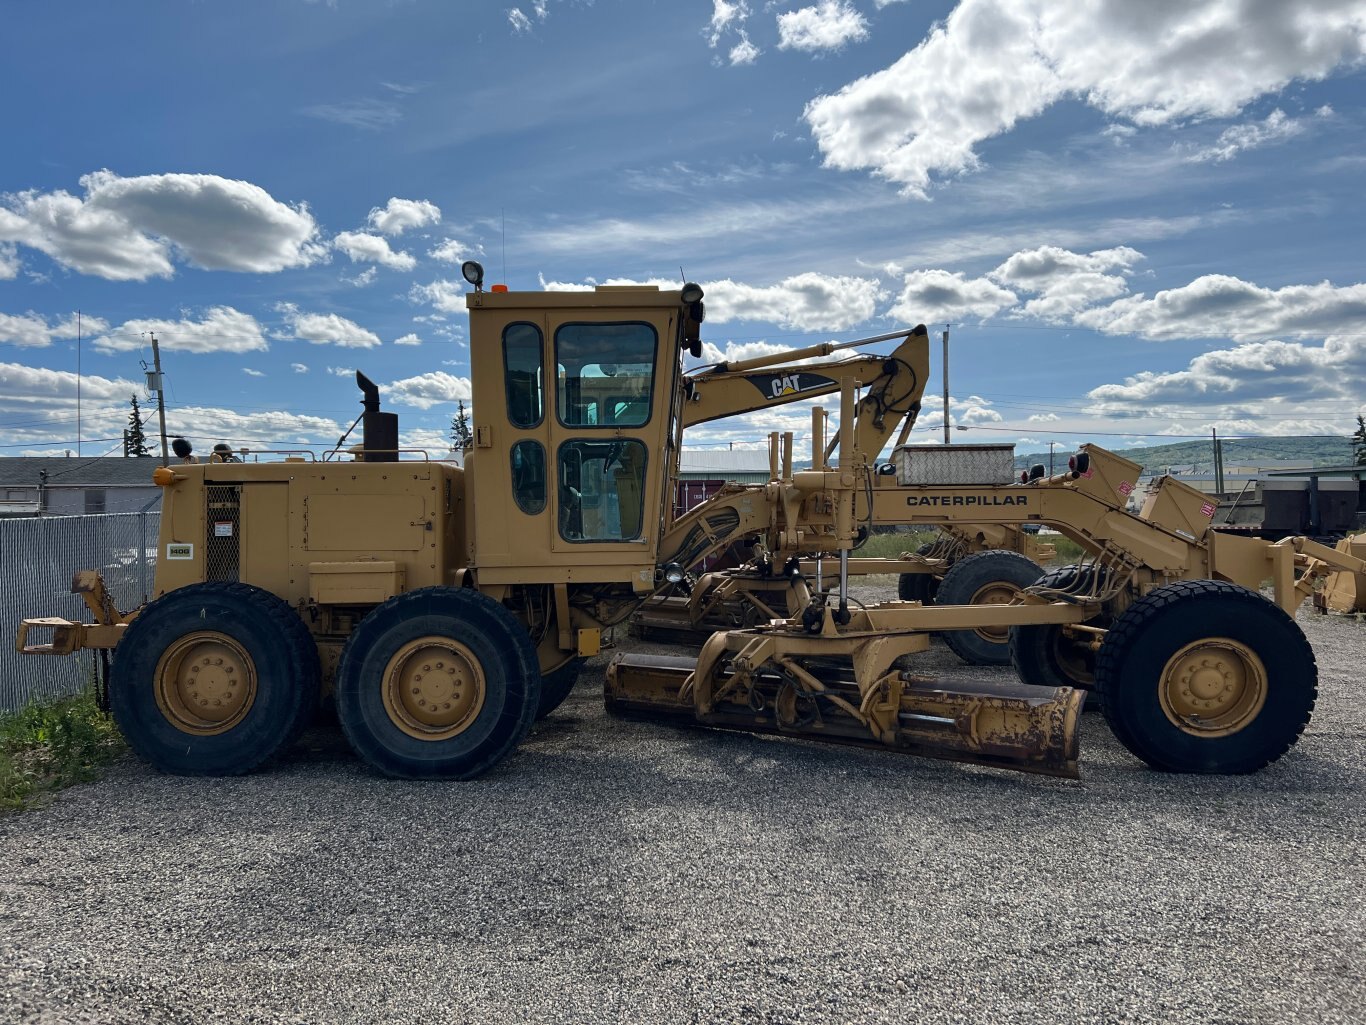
[446,608]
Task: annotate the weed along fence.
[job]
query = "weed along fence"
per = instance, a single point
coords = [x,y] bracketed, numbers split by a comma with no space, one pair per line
[38,557]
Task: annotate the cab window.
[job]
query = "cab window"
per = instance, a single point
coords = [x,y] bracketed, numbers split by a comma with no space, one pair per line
[528,476]
[602,490]
[524,374]
[605,374]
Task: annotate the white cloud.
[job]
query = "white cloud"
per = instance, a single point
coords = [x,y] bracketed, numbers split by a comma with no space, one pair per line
[398,215]
[25,385]
[131,229]
[363,247]
[369,114]
[262,429]
[810,301]
[1066,281]
[253,373]
[1255,388]
[298,368]
[33,330]
[743,52]
[1043,418]
[724,16]
[428,390]
[813,301]
[221,329]
[450,251]
[326,329]
[829,25]
[1220,306]
[364,278]
[341,371]
[1276,128]
[969,411]
[446,296]
[1012,59]
[932,296]
[408,339]
[9,261]
[519,21]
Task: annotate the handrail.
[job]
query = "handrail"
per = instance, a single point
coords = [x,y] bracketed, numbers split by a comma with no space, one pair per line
[327,455]
[312,456]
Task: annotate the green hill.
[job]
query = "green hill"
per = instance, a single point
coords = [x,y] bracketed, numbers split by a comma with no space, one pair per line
[1198,456]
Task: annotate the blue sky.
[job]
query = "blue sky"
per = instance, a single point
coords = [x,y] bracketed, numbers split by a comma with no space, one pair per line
[1141,220]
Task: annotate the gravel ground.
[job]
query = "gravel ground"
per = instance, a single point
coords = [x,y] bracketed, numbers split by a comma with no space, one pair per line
[619,871]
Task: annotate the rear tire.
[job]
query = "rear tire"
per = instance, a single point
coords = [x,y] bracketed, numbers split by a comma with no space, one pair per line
[214,679]
[557,685]
[1205,676]
[984,578]
[440,682]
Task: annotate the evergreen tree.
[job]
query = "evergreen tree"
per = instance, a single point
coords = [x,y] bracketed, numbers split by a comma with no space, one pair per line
[461,437]
[1359,442]
[135,442]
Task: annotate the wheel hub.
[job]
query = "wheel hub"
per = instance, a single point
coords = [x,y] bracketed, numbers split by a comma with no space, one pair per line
[205,683]
[998,593]
[1213,687]
[433,688]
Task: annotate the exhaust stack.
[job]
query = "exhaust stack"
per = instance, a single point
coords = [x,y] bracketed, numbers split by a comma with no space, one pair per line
[379,431]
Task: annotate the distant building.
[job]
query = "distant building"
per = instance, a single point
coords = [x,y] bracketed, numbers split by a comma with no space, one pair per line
[47,486]
[703,471]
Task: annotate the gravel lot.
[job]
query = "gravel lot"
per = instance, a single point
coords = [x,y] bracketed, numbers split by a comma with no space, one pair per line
[618,871]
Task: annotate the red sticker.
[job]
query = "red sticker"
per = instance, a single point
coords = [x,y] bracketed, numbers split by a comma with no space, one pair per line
[1088,473]
[1125,488]
[1207,509]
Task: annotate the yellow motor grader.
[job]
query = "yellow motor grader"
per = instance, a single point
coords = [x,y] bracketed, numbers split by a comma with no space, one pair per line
[890,403]
[445,607]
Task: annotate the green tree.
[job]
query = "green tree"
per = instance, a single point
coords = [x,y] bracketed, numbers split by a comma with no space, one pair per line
[461,437]
[134,441]
[1359,442]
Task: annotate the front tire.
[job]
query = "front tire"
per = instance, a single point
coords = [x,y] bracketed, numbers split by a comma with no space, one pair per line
[1205,676]
[1044,655]
[557,685]
[438,683]
[214,679]
[984,578]
[920,587]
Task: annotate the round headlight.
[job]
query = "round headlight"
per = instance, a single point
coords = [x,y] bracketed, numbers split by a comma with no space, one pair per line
[473,271]
[692,293]
[673,573]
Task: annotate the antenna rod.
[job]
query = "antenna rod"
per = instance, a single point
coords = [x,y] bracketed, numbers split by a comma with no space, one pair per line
[78,382]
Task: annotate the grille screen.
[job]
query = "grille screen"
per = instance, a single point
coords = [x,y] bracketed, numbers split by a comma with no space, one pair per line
[222,547]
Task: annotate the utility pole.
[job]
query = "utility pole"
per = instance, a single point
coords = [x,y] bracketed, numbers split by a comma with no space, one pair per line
[1050,457]
[154,378]
[946,384]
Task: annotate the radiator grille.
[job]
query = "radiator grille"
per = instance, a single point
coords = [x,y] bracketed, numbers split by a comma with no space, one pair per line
[222,546]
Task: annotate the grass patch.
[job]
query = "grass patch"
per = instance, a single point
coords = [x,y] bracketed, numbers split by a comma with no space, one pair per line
[48,745]
[890,546]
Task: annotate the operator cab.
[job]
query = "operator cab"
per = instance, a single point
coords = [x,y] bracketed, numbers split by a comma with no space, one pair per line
[574,409]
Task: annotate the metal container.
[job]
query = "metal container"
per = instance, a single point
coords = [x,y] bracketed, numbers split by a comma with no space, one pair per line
[919,465]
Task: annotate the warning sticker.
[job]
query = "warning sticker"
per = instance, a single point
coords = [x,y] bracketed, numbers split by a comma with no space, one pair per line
[180,551]
[1125,488]
[222,528]
[1207,509]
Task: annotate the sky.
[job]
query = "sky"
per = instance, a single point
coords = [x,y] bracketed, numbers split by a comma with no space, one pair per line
[1137,221]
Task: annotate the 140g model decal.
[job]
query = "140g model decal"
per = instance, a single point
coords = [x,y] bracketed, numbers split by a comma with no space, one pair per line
[967,499]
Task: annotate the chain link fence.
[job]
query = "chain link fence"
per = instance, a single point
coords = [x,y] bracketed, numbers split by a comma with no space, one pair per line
[38,558]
